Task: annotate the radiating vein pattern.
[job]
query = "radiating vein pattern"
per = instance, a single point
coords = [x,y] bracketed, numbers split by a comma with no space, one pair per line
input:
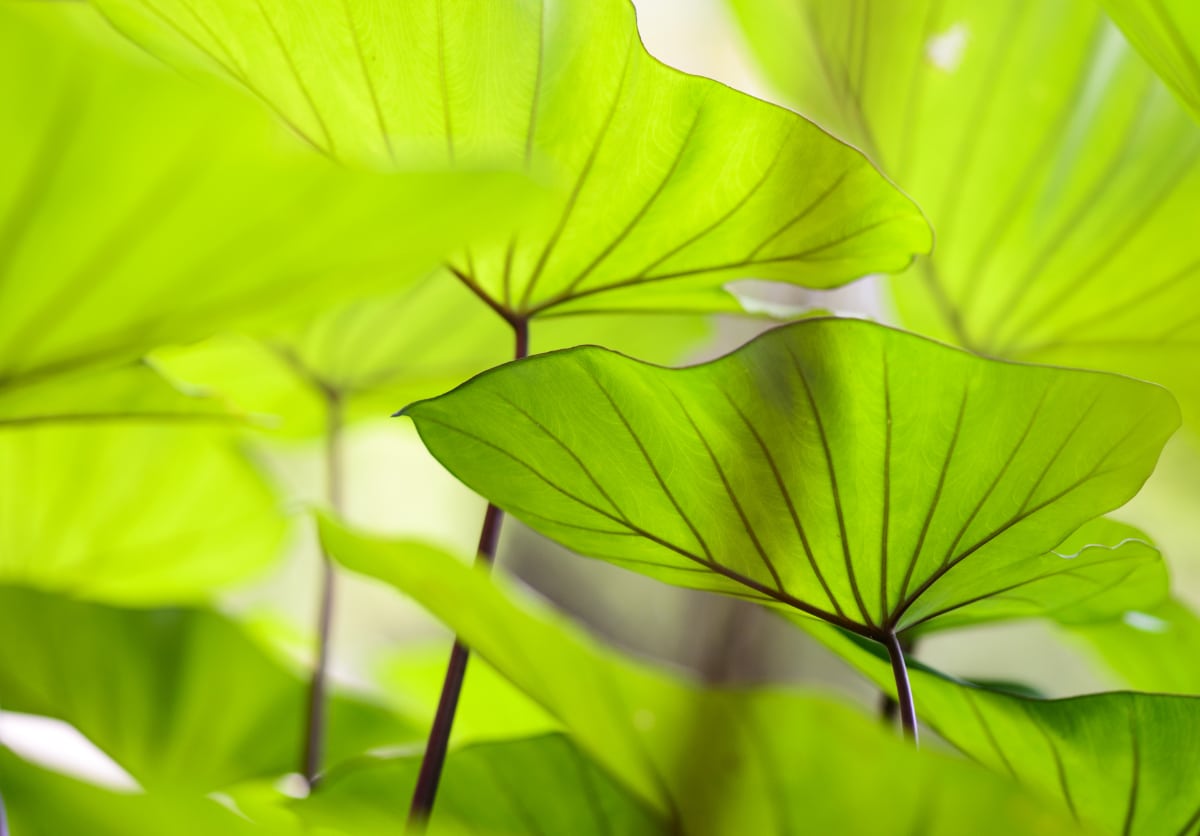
[663,186]
[864,476]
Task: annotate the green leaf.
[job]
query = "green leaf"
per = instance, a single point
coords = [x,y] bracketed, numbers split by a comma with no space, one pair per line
[530,786]
[716,761]
[667,185]
[1052,163]
[139,209]
[1151,650]
[182,699]
[132,514]
[45,803]
[373,354]
[1167,34]
[130,391]
[1114,759]
[837,468]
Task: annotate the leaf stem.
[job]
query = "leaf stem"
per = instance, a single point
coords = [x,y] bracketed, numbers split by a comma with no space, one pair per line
[456,669]
[889,709]
[904,697]
[3,818]
[316,718]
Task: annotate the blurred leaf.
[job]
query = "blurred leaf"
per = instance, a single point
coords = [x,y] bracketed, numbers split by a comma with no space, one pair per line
[1118,760]
[1151,650]
[867,477]
[535,785]
[377,354]
[669,184]
[1167,33]
[1060,175]
[45,803]
[132,514]
[182,699]
[138,209]
[128,391]
[716,761]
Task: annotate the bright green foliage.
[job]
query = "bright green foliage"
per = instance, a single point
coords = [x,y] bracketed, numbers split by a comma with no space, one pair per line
[717,761]
[667,185]
[138,209]
[132,513]
[1060,175]
[1167,33]
[1114,759]
[373,354]
[44,803]
[536,785]
[182,699]
[871,478]
[1154,650]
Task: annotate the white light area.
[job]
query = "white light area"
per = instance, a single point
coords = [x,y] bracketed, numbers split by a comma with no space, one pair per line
[945,51]
[61,747]
[1145,622]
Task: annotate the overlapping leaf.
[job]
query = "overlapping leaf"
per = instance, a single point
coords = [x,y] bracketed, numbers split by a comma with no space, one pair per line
[862,475]
[182,699]
[1167,33]
[1116,759]
[1148,650]
[1060,175]
[668,184]
[138,209]
[132,513]
[714,761]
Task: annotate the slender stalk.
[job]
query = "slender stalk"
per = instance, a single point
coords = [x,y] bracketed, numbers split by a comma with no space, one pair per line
[904,697]
[3,819]
[434,759]
[889,709]
[315,722]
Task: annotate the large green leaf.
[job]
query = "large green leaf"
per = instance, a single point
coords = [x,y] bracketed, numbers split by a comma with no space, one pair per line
[1060,175]
[182,699]
[1167,33]
[868,477]
[45,803]
[136,514]
[137,208]
[668,184]
[1118,760]
[716,761]
[540,785]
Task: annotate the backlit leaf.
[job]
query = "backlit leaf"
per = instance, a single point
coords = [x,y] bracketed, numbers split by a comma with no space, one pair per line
[1167,33]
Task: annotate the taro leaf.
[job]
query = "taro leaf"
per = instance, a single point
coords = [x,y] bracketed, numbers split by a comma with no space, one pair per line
[667,185]
[715,761]
[865,476]
[182,699]
[373,354]
[138,209]
[539,785]
[1167,33]
[134,391]
[1152,650]
[1121,761]
[45,803]
[133,514]
[1060,175]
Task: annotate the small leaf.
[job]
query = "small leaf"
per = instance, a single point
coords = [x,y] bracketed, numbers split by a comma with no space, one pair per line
[838,468]
[1052,163]
[138,209]
[1167,34]
[529,786]
[182,699]
[717,761]
[1116,760]
[132,514]
[667,185]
